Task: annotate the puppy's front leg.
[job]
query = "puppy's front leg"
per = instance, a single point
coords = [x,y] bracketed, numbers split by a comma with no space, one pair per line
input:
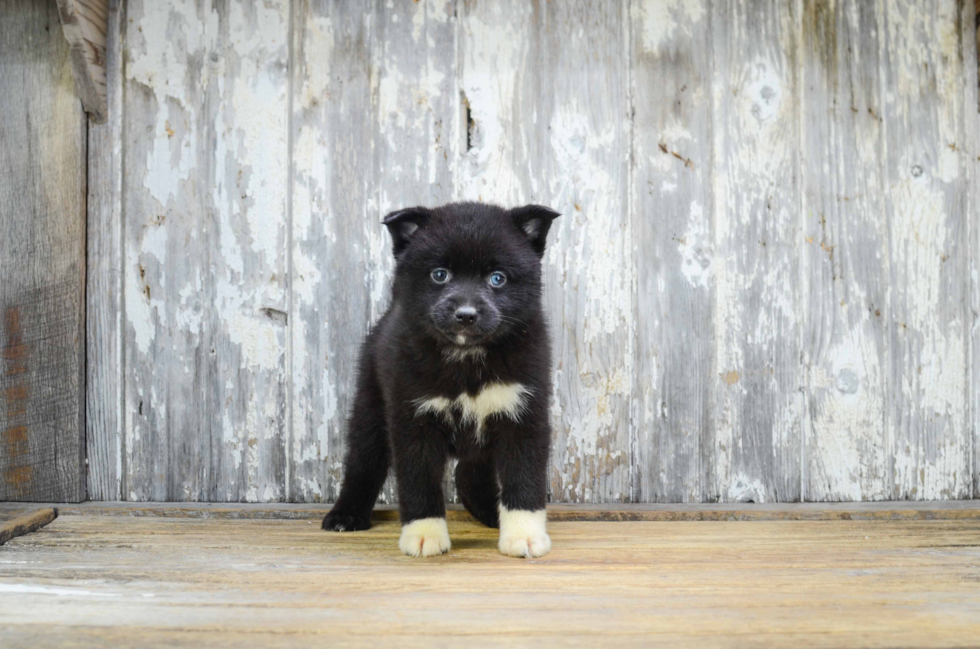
[420,464]
[521,456]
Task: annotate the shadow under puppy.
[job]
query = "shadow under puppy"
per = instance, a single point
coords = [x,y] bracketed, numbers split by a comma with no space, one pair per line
[459,365]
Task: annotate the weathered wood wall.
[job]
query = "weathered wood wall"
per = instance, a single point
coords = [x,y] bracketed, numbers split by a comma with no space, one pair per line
[42,260]
[764,285]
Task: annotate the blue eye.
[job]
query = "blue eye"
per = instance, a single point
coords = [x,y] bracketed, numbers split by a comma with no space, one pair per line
[497,279]
[441,275]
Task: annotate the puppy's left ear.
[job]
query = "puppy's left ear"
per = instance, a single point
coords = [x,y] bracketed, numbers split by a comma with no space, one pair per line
[403,225]
[534,221]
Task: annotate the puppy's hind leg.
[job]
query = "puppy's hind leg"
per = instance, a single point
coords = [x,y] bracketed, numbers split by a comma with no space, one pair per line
[476,484]
[368,457]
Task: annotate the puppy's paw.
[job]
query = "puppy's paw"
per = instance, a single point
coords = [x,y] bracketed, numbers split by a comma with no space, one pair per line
[425,537]
[338,521]
[523,533]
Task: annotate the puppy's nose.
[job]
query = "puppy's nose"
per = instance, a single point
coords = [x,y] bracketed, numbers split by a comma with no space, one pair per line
[466,315]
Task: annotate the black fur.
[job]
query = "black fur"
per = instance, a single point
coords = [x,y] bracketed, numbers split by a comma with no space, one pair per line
[409,356]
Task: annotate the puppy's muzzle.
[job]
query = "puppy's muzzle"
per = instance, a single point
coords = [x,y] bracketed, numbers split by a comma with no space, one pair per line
[466,316]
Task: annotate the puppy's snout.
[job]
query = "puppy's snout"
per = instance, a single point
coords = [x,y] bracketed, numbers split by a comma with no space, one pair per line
[466,315]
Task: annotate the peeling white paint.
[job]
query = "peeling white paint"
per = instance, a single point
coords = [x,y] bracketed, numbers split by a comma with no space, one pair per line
[661,17]
[743,489]
[491,60]
[848,419]
[696,249]
[209,175]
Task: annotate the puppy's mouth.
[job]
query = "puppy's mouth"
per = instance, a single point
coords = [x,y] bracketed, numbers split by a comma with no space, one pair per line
[464,338]
[463,330]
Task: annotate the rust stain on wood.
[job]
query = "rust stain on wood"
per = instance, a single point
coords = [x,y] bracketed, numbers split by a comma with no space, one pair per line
[16,393]
[14,351]
[15,441]
[19,479]
[15,398]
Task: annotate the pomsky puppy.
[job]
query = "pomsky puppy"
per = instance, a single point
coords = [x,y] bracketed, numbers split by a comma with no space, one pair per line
[459,365]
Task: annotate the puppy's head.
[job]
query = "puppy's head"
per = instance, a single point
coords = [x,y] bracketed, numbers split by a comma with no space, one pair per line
[469,273]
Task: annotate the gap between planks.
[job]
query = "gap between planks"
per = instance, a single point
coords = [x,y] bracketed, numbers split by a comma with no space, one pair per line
[885,510]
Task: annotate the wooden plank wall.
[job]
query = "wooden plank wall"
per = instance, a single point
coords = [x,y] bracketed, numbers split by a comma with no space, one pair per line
[42,260]
[763,287]
[104,345]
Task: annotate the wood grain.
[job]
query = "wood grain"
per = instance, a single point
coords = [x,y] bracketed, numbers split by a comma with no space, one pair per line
[845,254]
[927,173]
[104,414]
[206,268]
[754,451]
[25,523]
[85,24]
[187,582]
[248,250]
[537,136]
[168,338]
[673,247]
[42,261]
[971,52]
[623,512]
[339,250]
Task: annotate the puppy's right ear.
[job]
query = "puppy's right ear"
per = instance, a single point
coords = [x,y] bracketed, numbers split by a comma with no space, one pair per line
[534,221]
[403,225]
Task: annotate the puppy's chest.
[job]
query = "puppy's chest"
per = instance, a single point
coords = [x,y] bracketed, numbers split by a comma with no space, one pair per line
[467,411]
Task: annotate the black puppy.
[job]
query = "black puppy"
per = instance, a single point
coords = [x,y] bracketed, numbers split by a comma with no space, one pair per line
[460,365]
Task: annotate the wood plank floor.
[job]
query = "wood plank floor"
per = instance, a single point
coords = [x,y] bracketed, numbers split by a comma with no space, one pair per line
[90,580]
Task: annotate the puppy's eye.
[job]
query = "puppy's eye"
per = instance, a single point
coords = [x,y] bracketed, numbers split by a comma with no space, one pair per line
[497,279]
[441,275]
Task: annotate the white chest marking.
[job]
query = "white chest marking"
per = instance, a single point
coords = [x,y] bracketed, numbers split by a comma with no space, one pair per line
[507,399]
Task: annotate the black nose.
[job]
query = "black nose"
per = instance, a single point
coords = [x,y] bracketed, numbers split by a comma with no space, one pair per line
[466,315]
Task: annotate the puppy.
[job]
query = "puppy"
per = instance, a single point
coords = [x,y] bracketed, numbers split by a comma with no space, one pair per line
[459,365]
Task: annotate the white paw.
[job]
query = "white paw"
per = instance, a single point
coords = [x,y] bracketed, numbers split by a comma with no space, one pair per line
[425,537]
[523,533]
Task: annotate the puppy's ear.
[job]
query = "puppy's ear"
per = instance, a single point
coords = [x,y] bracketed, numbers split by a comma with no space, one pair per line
[534,221]
[403,225]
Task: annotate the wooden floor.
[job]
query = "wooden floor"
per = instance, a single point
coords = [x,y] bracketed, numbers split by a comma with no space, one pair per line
[90,579]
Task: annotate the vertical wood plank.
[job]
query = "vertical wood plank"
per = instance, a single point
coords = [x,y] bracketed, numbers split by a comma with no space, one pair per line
[249,113]
[754,450]
[494,42]
[42,261]
[104,371]
[971,83]
[673,248]
[85,25]
[418,105]
[845,253]
[206,259]
[546,89]
[339,248]
[418,131]
[927,174]
[167,282]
